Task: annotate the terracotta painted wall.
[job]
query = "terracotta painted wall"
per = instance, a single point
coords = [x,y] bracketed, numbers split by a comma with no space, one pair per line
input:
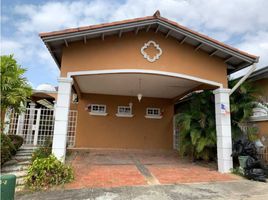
[117,132]
[263,127]
[263,87]
[124,53]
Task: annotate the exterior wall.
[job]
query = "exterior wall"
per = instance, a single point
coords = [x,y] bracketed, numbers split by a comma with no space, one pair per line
[124,53]
[117,132]
[262,85]
[263,128]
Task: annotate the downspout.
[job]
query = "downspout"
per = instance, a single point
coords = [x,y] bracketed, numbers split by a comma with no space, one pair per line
[253,67]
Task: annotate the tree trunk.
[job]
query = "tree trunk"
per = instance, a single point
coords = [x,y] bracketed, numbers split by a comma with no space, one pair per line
[3,113]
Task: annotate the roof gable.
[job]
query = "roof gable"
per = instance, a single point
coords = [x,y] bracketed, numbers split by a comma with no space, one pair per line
[234,58]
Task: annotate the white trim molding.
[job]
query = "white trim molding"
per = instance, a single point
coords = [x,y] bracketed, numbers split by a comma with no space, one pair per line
[153,116]
[144,71]
[146,56]
[123,115]
[98,114]
[259,118]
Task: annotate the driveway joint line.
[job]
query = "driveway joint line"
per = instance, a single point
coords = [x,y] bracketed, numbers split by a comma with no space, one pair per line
[150,178]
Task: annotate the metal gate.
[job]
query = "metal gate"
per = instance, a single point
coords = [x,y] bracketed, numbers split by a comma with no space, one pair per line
[36,125]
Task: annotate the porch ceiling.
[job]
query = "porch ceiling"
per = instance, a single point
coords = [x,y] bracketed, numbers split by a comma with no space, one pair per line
[149,85]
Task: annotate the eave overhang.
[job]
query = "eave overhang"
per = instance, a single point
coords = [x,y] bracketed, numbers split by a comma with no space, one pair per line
[259,74]
[234,58]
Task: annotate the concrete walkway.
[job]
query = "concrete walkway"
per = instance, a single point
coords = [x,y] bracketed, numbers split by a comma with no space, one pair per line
[235,190]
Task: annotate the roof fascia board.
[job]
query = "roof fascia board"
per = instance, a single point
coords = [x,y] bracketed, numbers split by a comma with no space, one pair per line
[146,23]
[51,53]
[207,42]
[259,74]
[98,31]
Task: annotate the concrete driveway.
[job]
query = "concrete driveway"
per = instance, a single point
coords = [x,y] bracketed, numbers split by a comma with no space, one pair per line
[235,190]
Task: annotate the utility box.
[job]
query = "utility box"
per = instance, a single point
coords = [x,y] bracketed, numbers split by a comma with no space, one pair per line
[7,185]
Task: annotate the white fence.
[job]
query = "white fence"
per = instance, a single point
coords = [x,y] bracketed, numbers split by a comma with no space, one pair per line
[36,125]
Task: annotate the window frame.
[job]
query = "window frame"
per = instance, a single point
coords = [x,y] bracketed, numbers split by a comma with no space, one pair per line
[124,114]
[100,112]
[153,115]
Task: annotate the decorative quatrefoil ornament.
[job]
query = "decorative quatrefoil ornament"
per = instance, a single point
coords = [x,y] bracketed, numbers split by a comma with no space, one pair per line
[146,56]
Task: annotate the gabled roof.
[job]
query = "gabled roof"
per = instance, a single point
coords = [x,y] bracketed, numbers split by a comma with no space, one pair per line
[234,58]
[259,74]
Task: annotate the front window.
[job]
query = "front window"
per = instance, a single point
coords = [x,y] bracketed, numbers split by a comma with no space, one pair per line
[97,108]
[153,112]
[124,110]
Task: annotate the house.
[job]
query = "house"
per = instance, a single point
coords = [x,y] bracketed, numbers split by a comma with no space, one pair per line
[260,114]
[127,75]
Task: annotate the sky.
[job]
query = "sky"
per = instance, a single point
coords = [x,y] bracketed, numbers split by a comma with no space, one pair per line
[240,23]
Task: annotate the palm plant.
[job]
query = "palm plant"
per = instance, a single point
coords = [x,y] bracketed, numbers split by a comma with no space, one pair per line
[197,127]
[196,121]
[14,87]
[242,103]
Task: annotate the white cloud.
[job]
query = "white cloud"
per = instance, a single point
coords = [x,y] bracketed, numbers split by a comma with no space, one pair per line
[10,47]
[243,23]
[57,15]
[257,45]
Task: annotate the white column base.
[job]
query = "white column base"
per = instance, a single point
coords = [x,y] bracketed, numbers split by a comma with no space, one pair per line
[223,129]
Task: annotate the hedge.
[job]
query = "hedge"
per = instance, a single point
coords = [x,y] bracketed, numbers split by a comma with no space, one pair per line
[9,146]
[16,140]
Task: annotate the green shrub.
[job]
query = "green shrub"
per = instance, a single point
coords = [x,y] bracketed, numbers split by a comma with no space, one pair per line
[5,154]
[7,148]
[46,172]
[16,140]
[43,151]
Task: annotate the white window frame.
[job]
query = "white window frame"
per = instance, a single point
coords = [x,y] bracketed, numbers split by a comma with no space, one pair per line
[124,114]
[98,112]
[153,115]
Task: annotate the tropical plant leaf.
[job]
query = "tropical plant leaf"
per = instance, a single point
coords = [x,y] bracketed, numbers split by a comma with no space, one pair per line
[195,135]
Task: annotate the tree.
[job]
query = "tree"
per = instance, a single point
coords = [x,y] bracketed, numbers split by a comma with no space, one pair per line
[14,86]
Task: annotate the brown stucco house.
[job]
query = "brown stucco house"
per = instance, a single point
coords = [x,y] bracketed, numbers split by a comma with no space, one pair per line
[128,75]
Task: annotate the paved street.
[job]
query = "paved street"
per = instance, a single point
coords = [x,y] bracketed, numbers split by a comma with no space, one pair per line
[236,190]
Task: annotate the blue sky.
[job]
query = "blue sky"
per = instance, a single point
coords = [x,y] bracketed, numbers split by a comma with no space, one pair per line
[241,23]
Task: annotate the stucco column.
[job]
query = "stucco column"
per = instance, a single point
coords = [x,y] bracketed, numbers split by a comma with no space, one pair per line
[61,118]
[223,128]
